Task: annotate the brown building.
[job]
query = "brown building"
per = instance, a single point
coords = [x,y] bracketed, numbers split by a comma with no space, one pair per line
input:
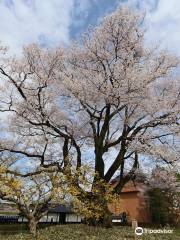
[133,202]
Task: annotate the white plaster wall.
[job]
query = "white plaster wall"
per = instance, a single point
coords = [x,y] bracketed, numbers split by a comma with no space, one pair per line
[72,217]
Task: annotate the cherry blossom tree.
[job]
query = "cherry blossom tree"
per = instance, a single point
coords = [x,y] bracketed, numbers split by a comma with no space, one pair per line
[109,92]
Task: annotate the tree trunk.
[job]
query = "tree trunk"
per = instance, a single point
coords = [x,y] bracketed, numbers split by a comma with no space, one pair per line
[33,226]
[107,218]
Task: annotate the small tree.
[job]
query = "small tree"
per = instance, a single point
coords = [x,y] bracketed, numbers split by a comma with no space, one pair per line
[31,195]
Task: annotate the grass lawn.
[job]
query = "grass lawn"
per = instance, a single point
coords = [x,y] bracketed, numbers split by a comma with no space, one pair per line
[83,232]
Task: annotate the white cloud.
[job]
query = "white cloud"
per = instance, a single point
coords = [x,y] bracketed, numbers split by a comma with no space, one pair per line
[148,5]
[164,24]
[25,21]
[49,21]
[162,20]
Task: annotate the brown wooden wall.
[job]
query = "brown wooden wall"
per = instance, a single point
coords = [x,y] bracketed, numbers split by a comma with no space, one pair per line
[133,203]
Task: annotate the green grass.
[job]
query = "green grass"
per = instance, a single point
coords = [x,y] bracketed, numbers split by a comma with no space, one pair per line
[83,232]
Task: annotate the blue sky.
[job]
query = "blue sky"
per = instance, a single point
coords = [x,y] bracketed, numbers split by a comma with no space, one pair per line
[54,22]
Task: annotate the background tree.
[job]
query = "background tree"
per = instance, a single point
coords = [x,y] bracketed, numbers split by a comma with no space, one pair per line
[110,92]
[164,196]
